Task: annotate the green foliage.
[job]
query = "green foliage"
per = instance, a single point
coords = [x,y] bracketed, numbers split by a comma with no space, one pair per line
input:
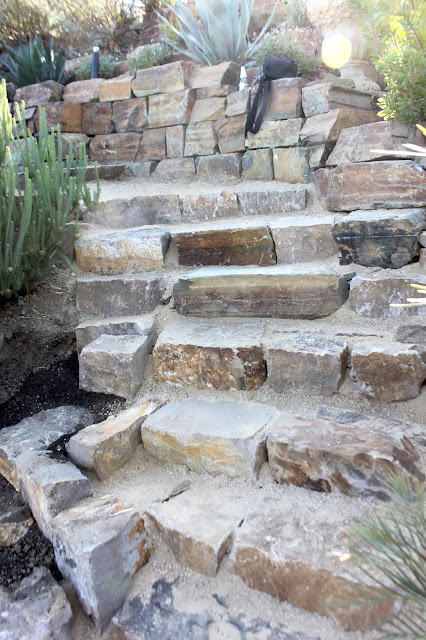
[21,18]
[33,63]
[149,56]
[220,34]
[278,44]
[106,68]
[33,218]
[396,31]
[297,12]
[388,549]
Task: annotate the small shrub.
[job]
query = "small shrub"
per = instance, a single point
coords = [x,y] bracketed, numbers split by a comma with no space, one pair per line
[106,68]
[297,12]
[149,56]
[278,44]
[33,63]
[19,19]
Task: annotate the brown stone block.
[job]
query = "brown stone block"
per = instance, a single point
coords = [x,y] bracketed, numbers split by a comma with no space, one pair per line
[285,99]
[167,78]
[152,145]
[200,139]
[65,114]
[326,127]
[223,166]
[39,93]
[209,206]
[218,91]
[225,73]
[175,141]
[257,165]
[130,115]
[321,98]
[116,89]
[372,295]
[291,165]
[97,119]
[71,144]
[283,133]
[166,110]
[208,109]
[238,103]
[230,133]
[115,147]
[83,91]
[175,169]
[303,239]
[255,203]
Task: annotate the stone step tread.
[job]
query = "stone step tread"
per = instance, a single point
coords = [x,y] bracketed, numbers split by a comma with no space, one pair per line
[90,330]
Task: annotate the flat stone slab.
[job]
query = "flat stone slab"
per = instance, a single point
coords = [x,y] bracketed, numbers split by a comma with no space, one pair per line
[37,433]
[209,206]
[326,127]
[108,445]
[264,203]
[224,166]
[225,244]
[211,356]
[307,364]
[124,295]
[290,557]
[90,330]
[99,545]
[388,373]
[325,456]
[114,364]
[214,437]
[168,109]
[321,98]
[136,212]
[167,78]
[225,73]
[371,295]
[270,292]
[171,169]
[303,238]
[412,333]
[128,251]
[381,238]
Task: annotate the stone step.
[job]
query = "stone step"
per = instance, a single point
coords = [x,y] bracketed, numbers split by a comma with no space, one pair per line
[268,292]
[128,251]
[371,295]
[122,295]
[89,330]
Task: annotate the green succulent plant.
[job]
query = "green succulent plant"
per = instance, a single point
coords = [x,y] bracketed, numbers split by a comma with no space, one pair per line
[33,63]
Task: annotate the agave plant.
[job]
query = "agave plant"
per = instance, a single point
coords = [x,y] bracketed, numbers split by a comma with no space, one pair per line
[33,63]
[220,34]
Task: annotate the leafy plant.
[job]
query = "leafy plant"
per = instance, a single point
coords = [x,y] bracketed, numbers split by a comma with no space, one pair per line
[389,550]
[297,11]
[220,34]
[33,217]
[275,44]
[33,63]
[106,68]
[149,56]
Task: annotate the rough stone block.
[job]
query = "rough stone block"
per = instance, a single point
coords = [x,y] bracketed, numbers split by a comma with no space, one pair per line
[218,91]
[37,433]
[111,296]
[167,78]
[380,238]
[65,114]
[276,134]
[175,141]
[388,373]
[109,445]
[115,148]
[210,356]
[97,119]
[225,244]
[200,139]
[367,186]
[319,154]
[321,98]
[152,145]
[422,258]
[142,169]
[285,99]
[136,212]
[130,115]
[50,486]
[291,165]
[217,167]
[171,169]
[168,109]
[257,165]
[209,206]
[214,437]
[372,295]
[124,251]
[208,109]
[230,134]
[303,239]
[101,567]
[269,292]
[71,144]
[118,88]
[82,91]
[225,73]
[422,239]
[254,203]
[412,333]
[237,103]
[39,93]
[198,529]
[306,364]
[326,127]
[14,525]
[90,330]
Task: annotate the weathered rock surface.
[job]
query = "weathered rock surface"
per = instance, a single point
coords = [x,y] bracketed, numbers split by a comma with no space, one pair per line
[276,134]
[321,98]
[285,99]
[373,185]
[210,356]
[14,525]
[237,103]
[130,115]
[39,93]
[412,333]
[71,144]
[118,88]
[167,78]
[290,557]
[126,251]
[209,206]
[175,141]
[319,154]
[171,169]
[291,165]
[90,330]
[257,165]
[115,148]
[229,243]
[136,212]
[388,373]
[303,239]
[326,127]
[270,292]
[225,73]
[37,610]
[108,445]
[230,134]
[306,363]
[152,145]
[66,114]
[100,567]
[214,437]
[218,91]
[372,295]
[198,528]
[221,166]
[114,364]
[200,139]
[263,202]
[97,119]
[110,296]
[168,109]
[50,486]
[208,109]
[141,169]
[37,433]
[380,238]
[82,91]
[326,456]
